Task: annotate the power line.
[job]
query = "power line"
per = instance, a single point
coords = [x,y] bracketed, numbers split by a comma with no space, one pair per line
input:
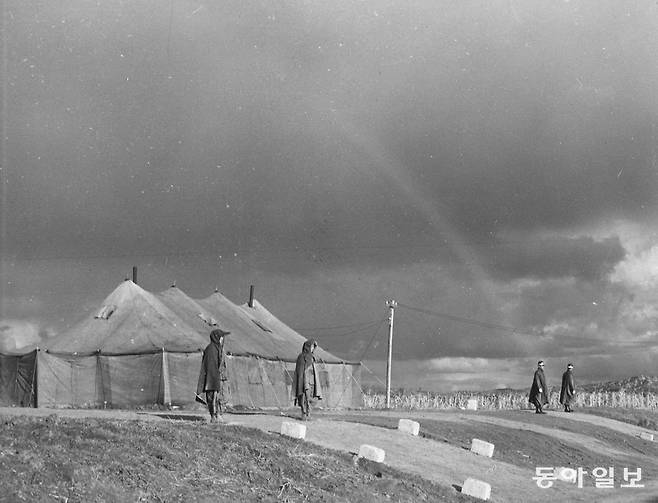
[373,374]
[374,334]
[362,324]
[345,334]
[381,323]
[469,321]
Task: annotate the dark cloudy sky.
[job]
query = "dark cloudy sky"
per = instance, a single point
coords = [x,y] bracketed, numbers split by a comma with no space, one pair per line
[491,165]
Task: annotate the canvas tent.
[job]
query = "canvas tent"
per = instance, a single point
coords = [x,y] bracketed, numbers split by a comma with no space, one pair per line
[140,348]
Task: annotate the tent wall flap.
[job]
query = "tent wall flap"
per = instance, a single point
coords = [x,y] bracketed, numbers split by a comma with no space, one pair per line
[18,380]
[143,380]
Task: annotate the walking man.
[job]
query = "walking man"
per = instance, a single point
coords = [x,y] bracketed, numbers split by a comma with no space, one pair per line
[568,389]
[213,374]
[306,382]
[538,392]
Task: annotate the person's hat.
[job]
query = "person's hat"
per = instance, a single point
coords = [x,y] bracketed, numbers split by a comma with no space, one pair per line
[218,332]
[570,365]
[540,363]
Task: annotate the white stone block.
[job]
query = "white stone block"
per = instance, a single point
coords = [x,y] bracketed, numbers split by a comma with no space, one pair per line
[646,436]
[409,426]
[565,474]
[482,448]
[472,404]
[477,489]
[371,453]
[294,430]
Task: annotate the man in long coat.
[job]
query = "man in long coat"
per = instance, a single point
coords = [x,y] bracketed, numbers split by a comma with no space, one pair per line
[306,382]
[538,391]
[213,375]
[568,389]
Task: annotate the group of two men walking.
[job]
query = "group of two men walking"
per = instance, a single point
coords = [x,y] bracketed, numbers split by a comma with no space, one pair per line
[539,392]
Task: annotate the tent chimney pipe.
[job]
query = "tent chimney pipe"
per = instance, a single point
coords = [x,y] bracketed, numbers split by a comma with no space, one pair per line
[135,274]
[251,296]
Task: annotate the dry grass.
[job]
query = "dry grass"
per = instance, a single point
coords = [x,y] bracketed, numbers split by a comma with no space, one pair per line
[100,460]
[508,400]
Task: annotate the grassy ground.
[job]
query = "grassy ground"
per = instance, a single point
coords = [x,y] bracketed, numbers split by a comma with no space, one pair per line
[105,460]
[99,460]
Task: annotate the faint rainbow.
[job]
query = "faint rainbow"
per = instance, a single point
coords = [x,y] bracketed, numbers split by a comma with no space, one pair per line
[385,163]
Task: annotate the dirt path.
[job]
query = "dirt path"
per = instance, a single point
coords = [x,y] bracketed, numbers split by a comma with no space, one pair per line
[450,465]
[571,438]
[437,461]
[434,460]
[629,429]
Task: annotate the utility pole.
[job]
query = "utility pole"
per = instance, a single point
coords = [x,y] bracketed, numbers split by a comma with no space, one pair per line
[391,306]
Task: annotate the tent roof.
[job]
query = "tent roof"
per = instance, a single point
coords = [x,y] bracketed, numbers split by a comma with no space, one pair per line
[218,312]
[142,322]
[257,331]
[288,339]
[138,323]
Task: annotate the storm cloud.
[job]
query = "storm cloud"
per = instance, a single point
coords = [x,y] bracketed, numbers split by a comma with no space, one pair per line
[581,257]
[491,161]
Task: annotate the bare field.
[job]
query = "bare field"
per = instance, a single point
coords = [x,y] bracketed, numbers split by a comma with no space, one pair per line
[126,456]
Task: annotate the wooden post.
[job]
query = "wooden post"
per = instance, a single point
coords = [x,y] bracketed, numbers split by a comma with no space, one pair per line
[391,305]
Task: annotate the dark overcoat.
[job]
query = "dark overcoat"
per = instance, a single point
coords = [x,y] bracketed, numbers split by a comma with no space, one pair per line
[306,374]
[213,365]
[568,388]
[539,382]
